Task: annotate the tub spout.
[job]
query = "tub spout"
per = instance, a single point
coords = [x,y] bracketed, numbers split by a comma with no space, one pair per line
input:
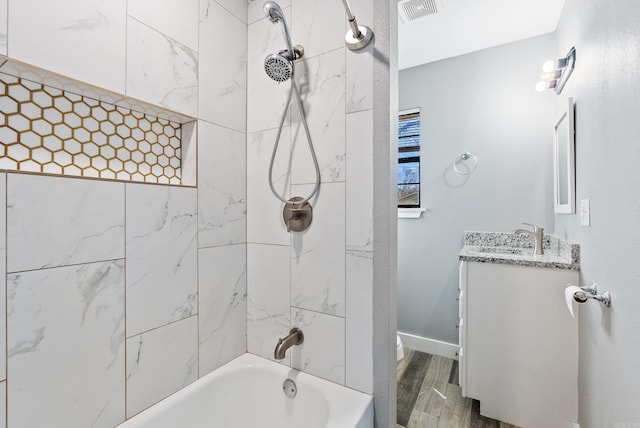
[295,337]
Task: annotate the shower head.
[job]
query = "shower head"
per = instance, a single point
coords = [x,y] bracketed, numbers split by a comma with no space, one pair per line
[278,67]
[275,14]
[273,11]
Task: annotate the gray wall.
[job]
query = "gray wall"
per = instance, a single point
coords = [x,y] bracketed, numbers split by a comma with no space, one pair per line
[485,103]
[606,88]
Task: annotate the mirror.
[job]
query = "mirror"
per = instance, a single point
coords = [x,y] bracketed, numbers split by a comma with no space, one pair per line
[564,177]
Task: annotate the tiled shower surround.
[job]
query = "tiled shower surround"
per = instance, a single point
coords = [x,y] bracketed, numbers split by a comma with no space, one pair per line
[45,129]
[319,280]
[120,293]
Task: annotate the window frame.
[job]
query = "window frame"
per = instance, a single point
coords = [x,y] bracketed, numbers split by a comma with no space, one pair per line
[405,115]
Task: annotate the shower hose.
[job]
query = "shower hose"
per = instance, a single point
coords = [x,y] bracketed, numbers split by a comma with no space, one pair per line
[294,89]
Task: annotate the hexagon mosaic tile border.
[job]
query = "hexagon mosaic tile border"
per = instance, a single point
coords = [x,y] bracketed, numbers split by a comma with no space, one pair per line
[47,130]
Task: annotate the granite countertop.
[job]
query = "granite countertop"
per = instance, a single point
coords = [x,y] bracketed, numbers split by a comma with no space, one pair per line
[512,249]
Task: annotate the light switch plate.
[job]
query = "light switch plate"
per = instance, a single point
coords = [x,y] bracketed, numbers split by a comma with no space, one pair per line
[585,212]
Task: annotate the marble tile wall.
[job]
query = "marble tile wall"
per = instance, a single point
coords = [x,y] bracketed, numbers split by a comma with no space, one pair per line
[319,280]
[3,402]
[44,230]
[264,211]
[66,259]
[178,25]
[68,245]
[318,255]
[223,305]
[144,50]
[160,69]
[222,186]
[209,270]
[223,90]
[82,39]
[359,244]
[359,94]
[149,357]
[322,85]
[318,26]
[77,249]
[46,308]
[161,285]
[3,27]
[359,335]
[3,306]
[237,8]
[323,351]
[268,294]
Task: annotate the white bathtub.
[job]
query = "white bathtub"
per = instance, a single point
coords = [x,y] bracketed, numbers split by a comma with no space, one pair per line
[247,392]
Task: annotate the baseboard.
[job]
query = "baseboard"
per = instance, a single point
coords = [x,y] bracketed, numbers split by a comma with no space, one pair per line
[576,425]
[430,346]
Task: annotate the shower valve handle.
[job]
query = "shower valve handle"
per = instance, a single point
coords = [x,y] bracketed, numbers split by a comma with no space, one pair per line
[297,217]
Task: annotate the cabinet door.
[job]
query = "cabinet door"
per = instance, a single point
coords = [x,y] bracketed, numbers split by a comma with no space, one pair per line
[521,344]
[462,367]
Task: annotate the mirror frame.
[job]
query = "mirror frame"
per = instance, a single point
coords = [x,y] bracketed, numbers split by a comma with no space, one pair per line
[567,118]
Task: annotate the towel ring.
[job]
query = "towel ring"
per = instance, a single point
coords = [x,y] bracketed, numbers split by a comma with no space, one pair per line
[464,157]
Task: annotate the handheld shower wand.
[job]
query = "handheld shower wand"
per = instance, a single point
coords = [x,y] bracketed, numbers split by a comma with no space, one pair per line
[297,213]
[279,66]
[275,14]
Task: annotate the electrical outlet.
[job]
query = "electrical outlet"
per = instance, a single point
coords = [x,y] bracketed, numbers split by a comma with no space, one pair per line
[585,212]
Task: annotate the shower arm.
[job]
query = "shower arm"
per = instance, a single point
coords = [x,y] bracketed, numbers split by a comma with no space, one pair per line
[352,20]
[359,36]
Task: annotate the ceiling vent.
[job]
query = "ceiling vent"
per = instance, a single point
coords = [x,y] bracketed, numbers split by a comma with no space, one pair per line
[410,10]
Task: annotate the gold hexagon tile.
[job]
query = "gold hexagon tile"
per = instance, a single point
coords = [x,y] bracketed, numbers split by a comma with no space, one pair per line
[44,129]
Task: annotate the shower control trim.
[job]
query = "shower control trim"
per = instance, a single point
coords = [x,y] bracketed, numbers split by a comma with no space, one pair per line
[297,217]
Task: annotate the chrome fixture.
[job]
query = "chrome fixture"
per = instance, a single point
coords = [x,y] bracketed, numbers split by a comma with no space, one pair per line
[295,337]
[289,388]
[556,73]
[279,66]
[591,292]
[274,12]
[297,212]
[359,36]
[461,159]
[537,234]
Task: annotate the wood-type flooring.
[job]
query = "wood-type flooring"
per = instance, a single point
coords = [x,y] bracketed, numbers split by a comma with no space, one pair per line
[429,395]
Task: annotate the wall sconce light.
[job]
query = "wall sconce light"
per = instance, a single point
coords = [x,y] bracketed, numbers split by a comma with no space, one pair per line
[556,73]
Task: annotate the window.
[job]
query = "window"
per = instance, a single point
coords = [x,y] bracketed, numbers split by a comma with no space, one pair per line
[409,159]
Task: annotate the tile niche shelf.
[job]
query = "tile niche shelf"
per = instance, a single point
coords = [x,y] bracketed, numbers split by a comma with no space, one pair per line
[49,130]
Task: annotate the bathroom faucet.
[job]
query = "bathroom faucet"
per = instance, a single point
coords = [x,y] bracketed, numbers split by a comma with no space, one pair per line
[537,237]
[295,337]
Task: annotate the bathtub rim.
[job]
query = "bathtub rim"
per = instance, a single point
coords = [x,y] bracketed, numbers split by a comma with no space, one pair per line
[361,413]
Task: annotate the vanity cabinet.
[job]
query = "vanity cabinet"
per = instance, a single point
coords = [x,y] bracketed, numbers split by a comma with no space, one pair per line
[518,343]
